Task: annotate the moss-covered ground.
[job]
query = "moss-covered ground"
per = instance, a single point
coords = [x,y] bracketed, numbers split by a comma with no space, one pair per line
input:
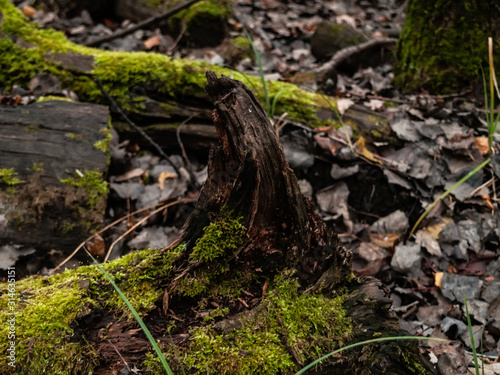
[288,328]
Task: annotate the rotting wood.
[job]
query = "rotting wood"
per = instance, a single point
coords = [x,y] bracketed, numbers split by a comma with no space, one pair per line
[44,143]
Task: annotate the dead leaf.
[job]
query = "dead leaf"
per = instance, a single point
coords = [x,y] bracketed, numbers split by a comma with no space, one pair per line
[435,229]
[437,279]
[487,200]
[343,105]
[151,42]
[163,176]
[363,151]
[97,247]
[385,241]
[29,11]
[482,144]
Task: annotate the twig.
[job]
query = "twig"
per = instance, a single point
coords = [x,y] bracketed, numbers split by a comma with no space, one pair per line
[348,52]
[133,125]
[177,40]
[142,221]
[187,200]
[123,359]
[183,151]
[143,24]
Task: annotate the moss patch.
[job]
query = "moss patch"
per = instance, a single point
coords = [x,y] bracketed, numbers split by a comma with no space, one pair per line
[310,325]
[125,75]
[444,44]
[49,307]
[93,184]
[8,177]
[219,238]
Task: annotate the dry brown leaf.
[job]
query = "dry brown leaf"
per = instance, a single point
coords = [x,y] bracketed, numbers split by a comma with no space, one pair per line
[482,144]
[487,200]
[438,276]
[151,42]
[385,241]
[163,176]
[29,11]
[363,151]
[97,247]
[435,229]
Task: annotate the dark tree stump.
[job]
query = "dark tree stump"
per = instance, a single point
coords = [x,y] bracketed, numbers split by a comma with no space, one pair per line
[228,298]
[250,178]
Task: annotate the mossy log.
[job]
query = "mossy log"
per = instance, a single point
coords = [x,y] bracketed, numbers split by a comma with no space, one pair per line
[153,88]
[256,284]
[444,45]
[56,155]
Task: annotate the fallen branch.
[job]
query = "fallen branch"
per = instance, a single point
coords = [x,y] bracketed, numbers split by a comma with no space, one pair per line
[142,25]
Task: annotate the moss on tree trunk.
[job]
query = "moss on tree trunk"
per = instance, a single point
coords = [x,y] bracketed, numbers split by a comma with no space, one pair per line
[444,44]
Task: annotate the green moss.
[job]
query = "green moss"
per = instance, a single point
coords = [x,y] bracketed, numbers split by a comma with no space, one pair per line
[122,72]
[48,309]
[443,45]
[43,325]
[77,137]
[219,238]
[311,324]
[243,43]
[36,168]
[47,98]
[104,143]
[92,183]
[8,177]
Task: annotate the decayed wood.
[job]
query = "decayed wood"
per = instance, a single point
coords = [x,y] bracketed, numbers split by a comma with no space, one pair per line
[282,227]
[284,231]
[43,143]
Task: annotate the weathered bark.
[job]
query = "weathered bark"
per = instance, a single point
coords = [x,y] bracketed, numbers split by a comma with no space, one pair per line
[250,178]
[44,143]
[443,45]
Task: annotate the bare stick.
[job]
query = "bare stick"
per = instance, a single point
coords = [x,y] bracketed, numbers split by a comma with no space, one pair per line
[143,24]
[187,200]
[348,52]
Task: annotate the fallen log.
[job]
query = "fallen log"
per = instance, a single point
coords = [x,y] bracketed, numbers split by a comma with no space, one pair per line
[153,88]
[256,283]
[53,156]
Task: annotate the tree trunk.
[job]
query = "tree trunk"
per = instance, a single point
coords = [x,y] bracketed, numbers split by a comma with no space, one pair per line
[443,45]
[256,284]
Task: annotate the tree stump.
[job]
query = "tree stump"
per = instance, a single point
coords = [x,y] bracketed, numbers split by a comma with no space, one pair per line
[250,178]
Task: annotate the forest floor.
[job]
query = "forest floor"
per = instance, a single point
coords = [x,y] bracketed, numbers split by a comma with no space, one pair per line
[372,197]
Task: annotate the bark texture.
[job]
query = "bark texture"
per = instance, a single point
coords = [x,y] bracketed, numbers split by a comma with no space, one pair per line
[443,45]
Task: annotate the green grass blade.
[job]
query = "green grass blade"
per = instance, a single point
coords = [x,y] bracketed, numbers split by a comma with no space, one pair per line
[275,100]
[137,317]
[261,72]
[312,364]
[471,337]
[447,192]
